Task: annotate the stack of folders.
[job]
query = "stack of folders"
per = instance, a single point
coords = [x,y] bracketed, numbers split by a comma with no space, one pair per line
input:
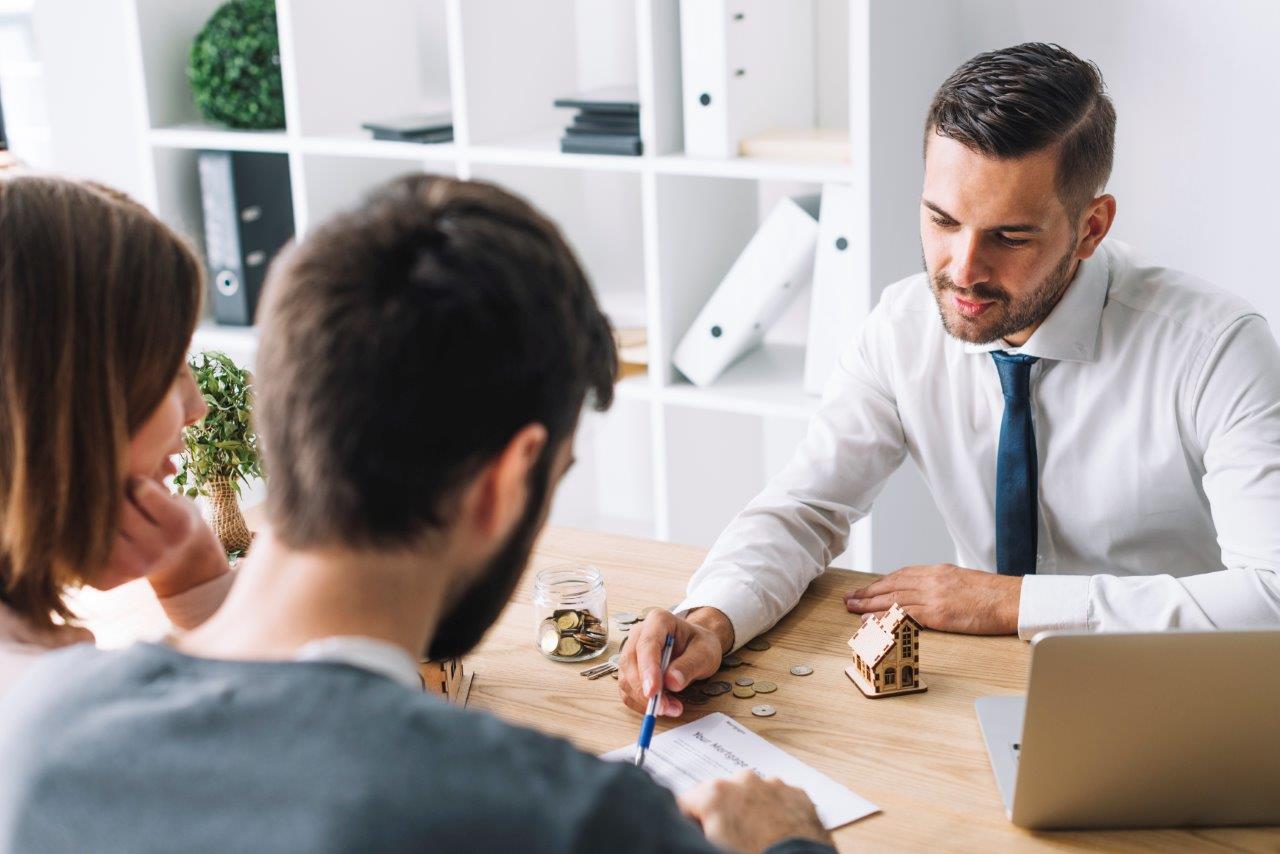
[607,122]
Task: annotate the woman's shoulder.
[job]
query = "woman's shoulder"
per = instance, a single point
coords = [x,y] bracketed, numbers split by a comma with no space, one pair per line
[22,644]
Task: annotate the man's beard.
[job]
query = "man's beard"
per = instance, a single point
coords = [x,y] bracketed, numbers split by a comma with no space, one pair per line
[1008,316]
[466,622]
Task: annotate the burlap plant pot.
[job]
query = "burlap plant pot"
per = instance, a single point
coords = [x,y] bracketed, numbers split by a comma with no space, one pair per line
[225,517]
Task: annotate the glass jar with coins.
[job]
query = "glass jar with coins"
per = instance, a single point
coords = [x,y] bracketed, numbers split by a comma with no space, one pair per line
[571,619]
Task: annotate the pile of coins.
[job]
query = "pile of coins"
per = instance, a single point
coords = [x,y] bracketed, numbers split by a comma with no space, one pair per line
[743,687]
[570,634]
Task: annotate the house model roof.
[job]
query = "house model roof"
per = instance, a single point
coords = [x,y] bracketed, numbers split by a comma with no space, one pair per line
[878,634]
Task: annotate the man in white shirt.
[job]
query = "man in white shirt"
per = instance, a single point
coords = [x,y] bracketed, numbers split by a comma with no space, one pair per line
[1101,436]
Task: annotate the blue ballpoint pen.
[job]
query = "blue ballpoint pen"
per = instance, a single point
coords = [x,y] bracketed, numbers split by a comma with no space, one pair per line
[651,716]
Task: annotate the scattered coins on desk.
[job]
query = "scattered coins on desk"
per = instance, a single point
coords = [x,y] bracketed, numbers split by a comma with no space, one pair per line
[801,670]
[691,697]
[744,681]
[743,692]
[626,619]
[765,687]
[569,633]
[763,711]
[731,661]
[715,689]
[758,644]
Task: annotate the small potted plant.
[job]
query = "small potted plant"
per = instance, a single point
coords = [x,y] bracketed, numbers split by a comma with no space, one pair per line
[234,67]
[222,450]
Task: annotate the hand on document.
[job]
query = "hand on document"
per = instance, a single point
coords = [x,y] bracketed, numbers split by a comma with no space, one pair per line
[747,812]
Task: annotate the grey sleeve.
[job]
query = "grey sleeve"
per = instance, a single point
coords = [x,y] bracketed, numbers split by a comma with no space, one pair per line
[633,813]
[799,846]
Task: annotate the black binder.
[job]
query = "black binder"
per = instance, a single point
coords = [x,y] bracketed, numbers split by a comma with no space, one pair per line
[248,217]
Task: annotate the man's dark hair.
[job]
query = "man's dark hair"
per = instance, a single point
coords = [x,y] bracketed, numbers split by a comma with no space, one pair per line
[404,344]
[1022,99]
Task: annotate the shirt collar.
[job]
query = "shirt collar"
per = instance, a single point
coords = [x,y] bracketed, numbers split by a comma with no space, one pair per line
[1070,332]
[376,656]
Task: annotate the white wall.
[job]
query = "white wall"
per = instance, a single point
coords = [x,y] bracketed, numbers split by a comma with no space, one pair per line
[1197,95]
[95,116]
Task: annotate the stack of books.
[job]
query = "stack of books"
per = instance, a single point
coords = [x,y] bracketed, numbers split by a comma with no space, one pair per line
[607,122]
[421,127]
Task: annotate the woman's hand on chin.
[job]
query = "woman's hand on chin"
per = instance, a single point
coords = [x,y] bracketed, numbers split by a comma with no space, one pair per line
[163,539]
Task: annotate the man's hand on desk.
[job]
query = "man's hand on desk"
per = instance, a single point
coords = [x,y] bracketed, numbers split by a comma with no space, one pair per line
[945,597]
[747,813]
[701,637]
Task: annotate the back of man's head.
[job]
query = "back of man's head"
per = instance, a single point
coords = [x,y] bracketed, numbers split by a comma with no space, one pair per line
[1022,99]
[405,343]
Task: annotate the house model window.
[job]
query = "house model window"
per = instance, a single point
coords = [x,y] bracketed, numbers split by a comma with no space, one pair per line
[884,649]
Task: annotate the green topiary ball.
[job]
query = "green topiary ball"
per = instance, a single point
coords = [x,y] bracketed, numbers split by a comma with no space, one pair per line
[234,67]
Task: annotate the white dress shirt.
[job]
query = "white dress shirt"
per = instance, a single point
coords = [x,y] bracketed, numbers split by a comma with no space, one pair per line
[1156,404]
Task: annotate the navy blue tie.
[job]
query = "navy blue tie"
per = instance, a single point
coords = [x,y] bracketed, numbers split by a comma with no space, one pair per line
[1016,467]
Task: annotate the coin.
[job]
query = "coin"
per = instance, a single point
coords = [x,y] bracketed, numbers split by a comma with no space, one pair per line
[758,644]
[568,620]
[731,660]
[548,637]
[568,647]
[624,618]
[745,681]
[591,640]
[763,711]
[801,670]
[743,692]
[715,689]
[693,698]
[765,687]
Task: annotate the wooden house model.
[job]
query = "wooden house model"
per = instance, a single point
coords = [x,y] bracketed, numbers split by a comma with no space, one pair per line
[886,655]
[447,679]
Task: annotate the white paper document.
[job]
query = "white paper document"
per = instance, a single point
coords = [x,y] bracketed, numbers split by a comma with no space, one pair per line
[718,746]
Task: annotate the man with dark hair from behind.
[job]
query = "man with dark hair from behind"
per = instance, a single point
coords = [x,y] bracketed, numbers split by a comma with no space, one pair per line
[1100,434]
[423,363]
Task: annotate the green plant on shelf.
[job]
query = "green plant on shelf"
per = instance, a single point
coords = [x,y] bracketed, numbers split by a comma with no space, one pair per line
[234,67]
[222,449]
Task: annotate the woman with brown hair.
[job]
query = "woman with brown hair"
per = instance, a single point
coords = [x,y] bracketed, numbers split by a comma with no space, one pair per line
[98,302]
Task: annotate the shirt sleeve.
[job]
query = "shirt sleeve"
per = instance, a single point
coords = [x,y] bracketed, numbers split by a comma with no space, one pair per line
[1234,406]
[787,535]
[190,608]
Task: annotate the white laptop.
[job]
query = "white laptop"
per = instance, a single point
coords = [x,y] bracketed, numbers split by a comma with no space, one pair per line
[1169,729]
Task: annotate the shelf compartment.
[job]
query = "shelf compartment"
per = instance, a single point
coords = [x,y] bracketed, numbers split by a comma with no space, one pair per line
[337,183]
[166,30]
[610,487]
[599,214]
[512,79]
[389,59]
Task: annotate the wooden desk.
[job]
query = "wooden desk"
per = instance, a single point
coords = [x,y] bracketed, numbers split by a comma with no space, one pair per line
[920,758]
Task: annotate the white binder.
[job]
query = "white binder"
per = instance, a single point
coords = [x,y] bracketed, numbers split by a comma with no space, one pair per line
[776,265]
[837,302]
[747,67]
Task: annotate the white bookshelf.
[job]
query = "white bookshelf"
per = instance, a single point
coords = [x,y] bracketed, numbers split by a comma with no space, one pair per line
[656,233]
